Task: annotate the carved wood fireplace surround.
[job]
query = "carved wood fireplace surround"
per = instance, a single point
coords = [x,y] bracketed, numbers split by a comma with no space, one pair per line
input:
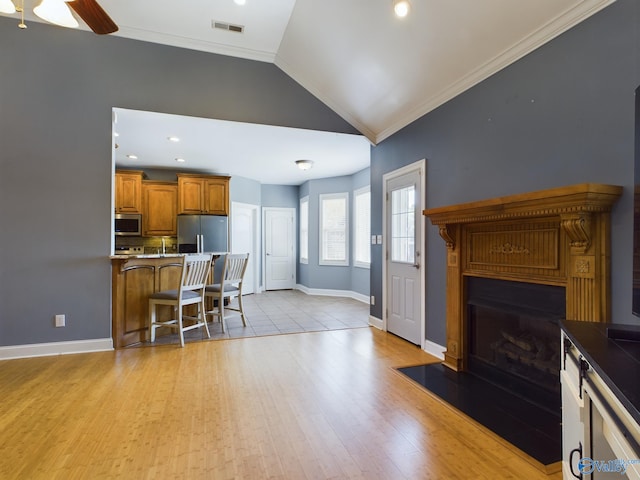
[556,237]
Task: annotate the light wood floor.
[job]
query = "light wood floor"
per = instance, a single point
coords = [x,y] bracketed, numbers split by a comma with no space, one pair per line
[301,406]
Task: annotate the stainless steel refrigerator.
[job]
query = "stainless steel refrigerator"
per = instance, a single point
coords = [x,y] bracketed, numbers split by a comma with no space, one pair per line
[204,233]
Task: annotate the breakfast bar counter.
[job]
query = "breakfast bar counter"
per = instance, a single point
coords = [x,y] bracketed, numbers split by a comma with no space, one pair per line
[133,279]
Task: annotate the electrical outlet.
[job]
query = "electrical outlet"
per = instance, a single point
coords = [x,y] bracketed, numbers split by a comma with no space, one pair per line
[373,300]
[60,320]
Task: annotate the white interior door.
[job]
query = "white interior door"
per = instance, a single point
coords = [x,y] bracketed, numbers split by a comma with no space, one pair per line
[403,254]
[244,239]
[279,248]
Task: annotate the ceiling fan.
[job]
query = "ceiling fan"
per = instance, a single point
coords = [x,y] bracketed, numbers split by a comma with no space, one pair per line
[94,16]
[58,13]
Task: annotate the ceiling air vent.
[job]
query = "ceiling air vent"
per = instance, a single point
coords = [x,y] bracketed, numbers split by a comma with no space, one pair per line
[227,26]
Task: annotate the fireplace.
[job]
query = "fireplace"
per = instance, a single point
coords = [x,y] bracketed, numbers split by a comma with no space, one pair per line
[512,337]
[557,238]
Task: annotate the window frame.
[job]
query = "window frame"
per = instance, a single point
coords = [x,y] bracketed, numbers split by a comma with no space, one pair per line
[322,198]
[304,225]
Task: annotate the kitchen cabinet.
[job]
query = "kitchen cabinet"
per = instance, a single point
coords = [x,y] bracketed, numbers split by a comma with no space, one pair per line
[203,194]
[600,429]
[160,207]
[133,280]
[128,196]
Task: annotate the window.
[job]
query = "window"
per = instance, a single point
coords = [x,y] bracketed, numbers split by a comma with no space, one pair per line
[304,230]
[362,228]
[334,229]
[403,205]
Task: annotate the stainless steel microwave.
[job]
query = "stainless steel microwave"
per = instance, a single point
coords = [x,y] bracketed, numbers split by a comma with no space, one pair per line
[128,224]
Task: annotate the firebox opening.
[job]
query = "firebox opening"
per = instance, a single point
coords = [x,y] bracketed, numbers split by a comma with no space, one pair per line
[513,337]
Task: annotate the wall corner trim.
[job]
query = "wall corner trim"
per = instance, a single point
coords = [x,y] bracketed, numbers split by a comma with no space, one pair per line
[434,349]
[56,348]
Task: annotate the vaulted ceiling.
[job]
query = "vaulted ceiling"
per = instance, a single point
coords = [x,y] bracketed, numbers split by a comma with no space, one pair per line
[377,71]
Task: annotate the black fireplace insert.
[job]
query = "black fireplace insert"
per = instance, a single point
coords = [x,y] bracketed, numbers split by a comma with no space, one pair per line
[513,337]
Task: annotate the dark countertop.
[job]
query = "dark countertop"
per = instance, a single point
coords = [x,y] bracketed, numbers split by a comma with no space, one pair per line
[617,362]
[158,255]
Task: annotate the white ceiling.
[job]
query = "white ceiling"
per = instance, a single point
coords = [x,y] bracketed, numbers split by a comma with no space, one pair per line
[260,152]
[378,72]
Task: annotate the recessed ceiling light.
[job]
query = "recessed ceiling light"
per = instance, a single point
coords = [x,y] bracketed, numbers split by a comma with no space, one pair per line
[173,139]
[132,157]
[401,7]
[240,2]
[116,134]
[180,160]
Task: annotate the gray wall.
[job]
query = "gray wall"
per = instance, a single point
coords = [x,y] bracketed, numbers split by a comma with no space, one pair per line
[560,116]
[245,190]
[313,275]
[280,196]
[359,276]
[57,89]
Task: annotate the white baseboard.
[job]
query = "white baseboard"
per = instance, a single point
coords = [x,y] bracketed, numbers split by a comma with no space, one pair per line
[333,293]
[55,348]
[376,322]
[434,349]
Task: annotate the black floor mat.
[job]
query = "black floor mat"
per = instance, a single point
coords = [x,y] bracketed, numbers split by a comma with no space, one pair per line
[532,429]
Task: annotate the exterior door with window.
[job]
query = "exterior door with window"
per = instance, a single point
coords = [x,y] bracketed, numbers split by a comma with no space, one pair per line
[403,256]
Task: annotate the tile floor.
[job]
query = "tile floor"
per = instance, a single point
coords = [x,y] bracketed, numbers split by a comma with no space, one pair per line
[281,312]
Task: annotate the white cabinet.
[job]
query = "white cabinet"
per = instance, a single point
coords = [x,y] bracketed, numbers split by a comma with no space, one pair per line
[600,438]
[572,411]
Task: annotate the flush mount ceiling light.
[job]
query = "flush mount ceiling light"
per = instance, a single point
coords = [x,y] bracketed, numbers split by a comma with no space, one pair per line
[304,164]
[401,7]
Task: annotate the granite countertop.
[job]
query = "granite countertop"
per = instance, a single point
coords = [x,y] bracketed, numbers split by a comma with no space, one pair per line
[160,255]
[616,361]
[148,255]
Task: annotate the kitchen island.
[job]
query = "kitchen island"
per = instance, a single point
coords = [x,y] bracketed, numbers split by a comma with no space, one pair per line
[133,279]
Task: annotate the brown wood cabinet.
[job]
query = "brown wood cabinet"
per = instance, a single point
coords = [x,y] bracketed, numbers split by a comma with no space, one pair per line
[128,191]
[132,281]
[203,195]
[160,208]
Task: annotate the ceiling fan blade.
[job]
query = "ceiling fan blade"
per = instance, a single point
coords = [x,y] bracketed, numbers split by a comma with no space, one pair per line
[94,16]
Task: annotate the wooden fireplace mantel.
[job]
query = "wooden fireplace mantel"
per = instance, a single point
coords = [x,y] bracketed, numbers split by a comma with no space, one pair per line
[559,236]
